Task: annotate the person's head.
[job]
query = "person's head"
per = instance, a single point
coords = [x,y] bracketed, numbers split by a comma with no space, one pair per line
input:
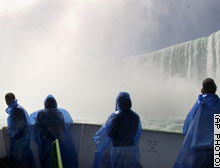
[50,102]
[208,86]
[123,101]
[9,98]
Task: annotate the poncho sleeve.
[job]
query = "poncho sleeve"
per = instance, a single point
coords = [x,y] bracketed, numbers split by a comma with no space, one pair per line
[138,135]
[189,118]
[102,142]
[17,123]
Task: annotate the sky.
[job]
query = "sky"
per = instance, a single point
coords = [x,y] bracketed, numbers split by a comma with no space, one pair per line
[73,48]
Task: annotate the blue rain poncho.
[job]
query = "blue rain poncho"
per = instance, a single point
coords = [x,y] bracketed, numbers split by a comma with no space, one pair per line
[197,150]
[54,123]
[117,140]
[20,154]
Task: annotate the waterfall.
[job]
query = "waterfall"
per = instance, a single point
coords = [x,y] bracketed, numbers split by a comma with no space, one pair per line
[194,59]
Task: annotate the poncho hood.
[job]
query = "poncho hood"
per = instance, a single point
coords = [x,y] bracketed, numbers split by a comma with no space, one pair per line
[123,101]
[50,102]
[12,106]
[208,100]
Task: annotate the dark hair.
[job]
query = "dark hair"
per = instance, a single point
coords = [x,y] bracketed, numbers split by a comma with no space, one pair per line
[209,86]
[10,96]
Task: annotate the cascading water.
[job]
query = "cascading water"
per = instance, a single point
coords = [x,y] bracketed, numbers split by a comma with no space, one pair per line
[195,59]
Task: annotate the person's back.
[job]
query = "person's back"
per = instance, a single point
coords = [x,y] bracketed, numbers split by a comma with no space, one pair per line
[123,129]
[50,125]
[20,155]
[198,147]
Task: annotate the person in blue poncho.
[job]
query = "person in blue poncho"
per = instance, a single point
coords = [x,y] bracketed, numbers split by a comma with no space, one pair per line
[20,155]
[53,123]
[197,150]
[117,140]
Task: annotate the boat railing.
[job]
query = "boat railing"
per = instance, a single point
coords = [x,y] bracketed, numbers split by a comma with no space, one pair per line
[157,149]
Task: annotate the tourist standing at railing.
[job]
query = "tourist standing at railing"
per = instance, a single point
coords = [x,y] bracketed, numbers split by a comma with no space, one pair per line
[117,140]
[53,123]
[20,155]
[197,150]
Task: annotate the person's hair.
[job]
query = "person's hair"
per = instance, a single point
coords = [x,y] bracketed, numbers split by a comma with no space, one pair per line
[10,96]
[209,86]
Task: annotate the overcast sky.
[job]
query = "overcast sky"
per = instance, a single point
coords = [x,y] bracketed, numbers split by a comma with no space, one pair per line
[124,27]
[65,47]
